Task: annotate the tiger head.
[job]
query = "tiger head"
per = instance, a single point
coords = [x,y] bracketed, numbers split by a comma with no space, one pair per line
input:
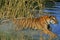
[49,19]
[53,20]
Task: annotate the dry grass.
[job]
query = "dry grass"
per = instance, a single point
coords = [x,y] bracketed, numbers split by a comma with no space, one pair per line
[19,8]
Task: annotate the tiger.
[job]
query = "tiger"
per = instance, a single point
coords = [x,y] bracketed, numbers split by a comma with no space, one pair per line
[40,23]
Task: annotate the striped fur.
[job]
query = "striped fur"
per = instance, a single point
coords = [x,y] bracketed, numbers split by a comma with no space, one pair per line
[40,23]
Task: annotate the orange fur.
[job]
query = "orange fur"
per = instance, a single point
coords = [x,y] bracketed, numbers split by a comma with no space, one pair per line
[36,23]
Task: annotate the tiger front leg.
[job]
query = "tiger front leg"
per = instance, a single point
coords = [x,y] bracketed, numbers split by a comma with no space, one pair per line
[52,35]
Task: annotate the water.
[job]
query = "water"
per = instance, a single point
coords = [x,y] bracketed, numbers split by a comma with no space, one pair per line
[56,11]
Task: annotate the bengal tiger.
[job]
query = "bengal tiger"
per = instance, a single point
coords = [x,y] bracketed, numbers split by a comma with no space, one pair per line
[41,23]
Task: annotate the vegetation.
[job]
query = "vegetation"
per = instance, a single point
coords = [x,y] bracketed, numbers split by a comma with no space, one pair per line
[20,8]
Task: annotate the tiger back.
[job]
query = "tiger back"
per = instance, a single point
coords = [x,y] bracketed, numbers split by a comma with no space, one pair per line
[34,23]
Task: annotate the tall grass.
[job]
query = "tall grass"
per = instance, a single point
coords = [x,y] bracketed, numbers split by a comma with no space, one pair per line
[19,8]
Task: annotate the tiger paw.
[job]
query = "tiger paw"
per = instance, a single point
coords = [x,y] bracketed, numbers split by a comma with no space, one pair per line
[54,36]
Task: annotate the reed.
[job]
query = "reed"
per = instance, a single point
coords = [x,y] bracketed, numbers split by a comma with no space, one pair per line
[19,8]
